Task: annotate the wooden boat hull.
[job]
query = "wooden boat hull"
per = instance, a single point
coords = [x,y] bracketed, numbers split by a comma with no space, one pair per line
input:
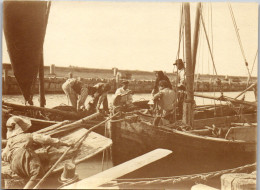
[38,121]
[191,153]
[90,147]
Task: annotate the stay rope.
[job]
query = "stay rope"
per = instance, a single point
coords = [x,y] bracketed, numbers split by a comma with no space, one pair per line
[181,31]
[205,31]
[254,62]
[238,37]
[178,179]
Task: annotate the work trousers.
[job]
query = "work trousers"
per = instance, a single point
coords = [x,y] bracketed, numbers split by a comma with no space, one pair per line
[71,94]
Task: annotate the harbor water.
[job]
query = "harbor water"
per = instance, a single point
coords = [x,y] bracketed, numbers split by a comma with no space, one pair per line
[53,100]
[95,164]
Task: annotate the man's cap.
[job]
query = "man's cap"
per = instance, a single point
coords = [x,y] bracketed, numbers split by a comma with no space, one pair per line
[179,63]
[23,123]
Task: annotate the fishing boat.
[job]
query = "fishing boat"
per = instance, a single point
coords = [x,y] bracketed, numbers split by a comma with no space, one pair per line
[201,143]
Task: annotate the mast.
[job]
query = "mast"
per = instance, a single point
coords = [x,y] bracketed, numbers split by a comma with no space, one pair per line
[41,66]
[188,104]
[196,37]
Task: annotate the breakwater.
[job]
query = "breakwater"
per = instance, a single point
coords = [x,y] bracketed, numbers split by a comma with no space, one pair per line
[53,85]
[140,81]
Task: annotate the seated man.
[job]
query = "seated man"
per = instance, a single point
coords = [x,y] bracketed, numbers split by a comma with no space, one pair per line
[123,96]
[20,150]
[166,103]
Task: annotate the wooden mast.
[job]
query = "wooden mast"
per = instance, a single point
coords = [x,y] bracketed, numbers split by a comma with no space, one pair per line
[41,66]
[196,37]
[188,104]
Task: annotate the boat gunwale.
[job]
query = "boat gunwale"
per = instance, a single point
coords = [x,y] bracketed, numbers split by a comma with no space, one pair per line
[213,139]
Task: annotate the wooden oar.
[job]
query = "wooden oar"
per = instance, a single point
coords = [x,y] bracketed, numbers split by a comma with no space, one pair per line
[74,125]
[69,148]
[53,127]
[249,88]
[68,114]
[119,170]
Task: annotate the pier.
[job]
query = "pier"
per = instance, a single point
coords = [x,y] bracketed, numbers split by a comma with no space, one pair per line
[139,81]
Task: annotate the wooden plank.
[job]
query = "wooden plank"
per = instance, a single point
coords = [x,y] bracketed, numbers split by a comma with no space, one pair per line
[225,98]
[202,187]
[238,181]
[119,170]
[248,134]
[224,120]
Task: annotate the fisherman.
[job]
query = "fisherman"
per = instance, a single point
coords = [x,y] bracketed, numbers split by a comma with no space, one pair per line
[20,150]
[181,96]
[159,77]
[99,97]
[123,95]
[74,88]
[166,98]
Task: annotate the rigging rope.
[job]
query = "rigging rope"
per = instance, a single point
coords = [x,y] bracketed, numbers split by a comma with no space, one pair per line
[204,27]
[178,179]
[254,61]
[180,31]
[238,37]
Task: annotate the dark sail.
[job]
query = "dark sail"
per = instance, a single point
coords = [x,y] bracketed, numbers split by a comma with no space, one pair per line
[24,24]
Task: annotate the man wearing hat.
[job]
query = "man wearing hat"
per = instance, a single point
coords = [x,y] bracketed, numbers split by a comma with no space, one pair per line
[19,150]
[123,96]
[166,98]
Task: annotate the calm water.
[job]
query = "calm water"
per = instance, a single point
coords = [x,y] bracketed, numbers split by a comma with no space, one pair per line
[53,100]
[94,165]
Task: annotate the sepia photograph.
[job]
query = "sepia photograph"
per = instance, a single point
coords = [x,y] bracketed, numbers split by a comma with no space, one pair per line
[129,95]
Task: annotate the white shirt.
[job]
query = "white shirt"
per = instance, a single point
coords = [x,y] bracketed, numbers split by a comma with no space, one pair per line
[127,99]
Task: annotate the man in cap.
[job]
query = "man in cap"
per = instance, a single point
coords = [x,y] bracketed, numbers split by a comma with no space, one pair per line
[20,150]
[166,99]
[123,96]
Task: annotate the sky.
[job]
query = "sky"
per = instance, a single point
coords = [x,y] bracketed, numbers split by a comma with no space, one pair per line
[144,36]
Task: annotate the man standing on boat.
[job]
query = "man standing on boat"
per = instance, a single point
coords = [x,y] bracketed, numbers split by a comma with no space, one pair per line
[74,88]
[99,95]
[19,151]
[166,100]
[77,93]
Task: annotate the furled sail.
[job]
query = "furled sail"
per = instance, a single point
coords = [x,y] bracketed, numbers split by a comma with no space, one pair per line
[24,24]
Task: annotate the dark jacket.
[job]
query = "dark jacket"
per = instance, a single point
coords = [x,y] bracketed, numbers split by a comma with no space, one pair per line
[161,76]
